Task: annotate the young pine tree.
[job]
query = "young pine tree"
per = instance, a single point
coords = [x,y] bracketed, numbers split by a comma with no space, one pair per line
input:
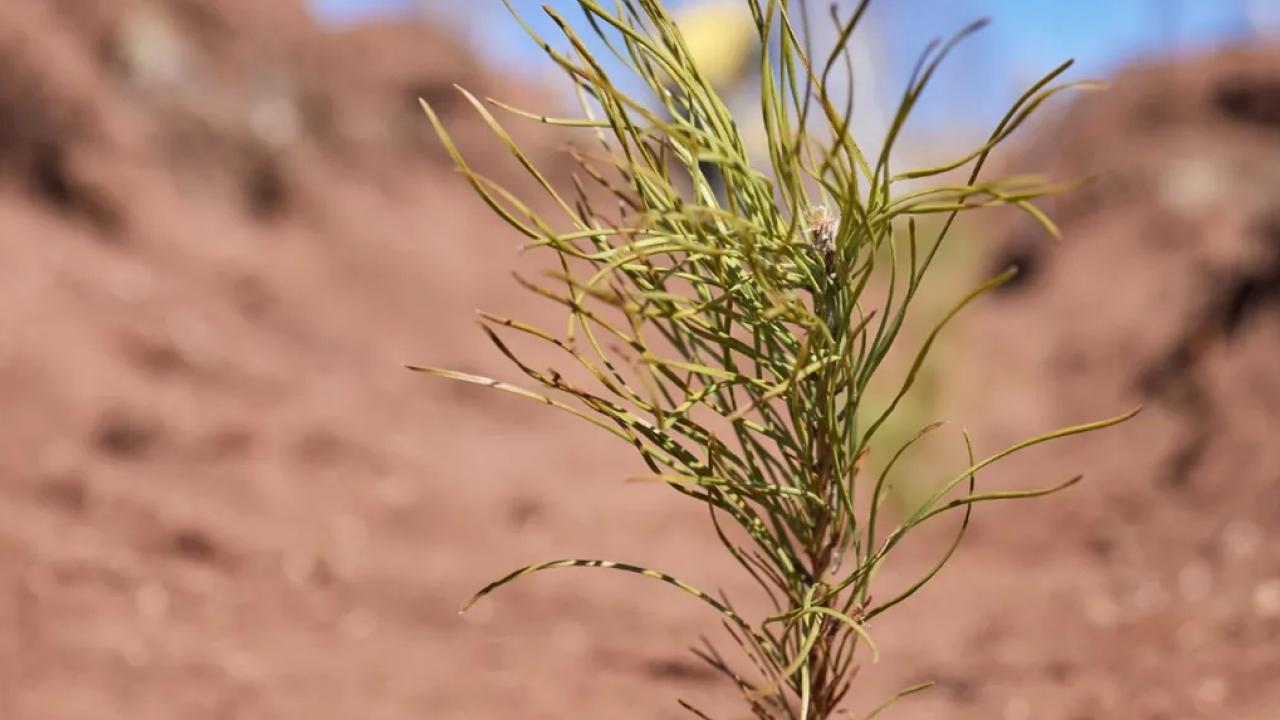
[730,318]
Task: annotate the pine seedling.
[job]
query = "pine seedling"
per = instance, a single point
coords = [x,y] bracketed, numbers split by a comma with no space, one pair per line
[726,320]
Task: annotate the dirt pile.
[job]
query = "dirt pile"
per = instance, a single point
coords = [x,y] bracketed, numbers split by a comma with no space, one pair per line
[224,229]
[1152,591]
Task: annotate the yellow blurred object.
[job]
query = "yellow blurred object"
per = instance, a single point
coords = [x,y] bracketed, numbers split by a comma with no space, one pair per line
[722,39]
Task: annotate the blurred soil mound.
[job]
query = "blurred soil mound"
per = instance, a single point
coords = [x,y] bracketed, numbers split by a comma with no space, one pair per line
[224,229]
[1164,566]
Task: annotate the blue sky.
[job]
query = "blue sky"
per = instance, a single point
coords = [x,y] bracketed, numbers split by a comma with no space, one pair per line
[1099,32]
[1026,38]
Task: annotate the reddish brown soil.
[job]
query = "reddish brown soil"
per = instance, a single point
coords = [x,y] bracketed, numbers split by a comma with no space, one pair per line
[224,231]
[1151,590]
